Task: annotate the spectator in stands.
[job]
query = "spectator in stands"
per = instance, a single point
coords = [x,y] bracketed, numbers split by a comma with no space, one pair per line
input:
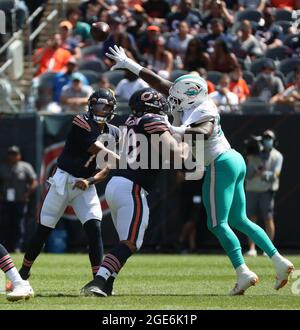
[118,28]
[63,78]
[238,85]
[103,82]
[210,86]
[218,9]
[291,96]
[217,32]
[262,182]
[196,56]
[267,84]
[285,4]
[252,4]
[127,86]
[52,58]
[18,181]
[185,12]
[74,97]
[271,37]
[223,59]
[139,22]
[178,43]
[147,40]
[81,30]
[246,43]
[68,42]
[225,100]
[91,9]
[157,9]
[125,40]
[122,12]
[159,59]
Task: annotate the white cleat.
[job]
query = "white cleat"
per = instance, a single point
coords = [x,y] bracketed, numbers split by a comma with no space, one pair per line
[283,269]
[251,253]
[21,290]
[244,282]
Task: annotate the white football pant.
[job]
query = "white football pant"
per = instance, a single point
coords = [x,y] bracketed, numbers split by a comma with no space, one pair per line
[129,209]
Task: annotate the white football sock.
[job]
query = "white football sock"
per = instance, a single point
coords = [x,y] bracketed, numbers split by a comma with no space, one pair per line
[277,257]
[14,275]
[242,269]
[104,272]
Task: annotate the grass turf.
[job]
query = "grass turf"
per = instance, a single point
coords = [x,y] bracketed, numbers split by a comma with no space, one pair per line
[167,282]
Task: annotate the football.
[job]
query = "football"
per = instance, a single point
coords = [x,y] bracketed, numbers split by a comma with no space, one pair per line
[100,31]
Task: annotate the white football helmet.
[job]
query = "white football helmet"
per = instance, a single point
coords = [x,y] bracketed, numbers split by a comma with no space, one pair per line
[187,92]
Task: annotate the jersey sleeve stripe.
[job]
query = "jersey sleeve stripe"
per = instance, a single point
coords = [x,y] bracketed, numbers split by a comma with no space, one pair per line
[154,123]
[156,128]
[83,121]
[87,128]
[157,131]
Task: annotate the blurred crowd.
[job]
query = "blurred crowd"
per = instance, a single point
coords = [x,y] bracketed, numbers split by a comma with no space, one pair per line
[248,50]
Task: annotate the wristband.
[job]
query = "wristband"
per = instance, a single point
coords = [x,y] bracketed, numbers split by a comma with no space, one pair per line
[91,181]
[133,66]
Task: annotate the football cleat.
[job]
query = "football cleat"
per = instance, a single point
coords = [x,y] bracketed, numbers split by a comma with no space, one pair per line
[21,290]
[96,287]
[283,269]
[244,282]
[251,253]
[9,286]
[108,288]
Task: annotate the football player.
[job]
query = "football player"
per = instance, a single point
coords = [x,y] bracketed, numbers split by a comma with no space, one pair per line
[21,288]
[223,188]
[76,167]
[126,191]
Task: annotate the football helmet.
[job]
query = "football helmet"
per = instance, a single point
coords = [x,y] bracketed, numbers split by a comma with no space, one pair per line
[187,92]
[102,105]
[148,100]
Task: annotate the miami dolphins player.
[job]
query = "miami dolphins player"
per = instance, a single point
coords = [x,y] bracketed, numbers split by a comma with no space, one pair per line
[223,188]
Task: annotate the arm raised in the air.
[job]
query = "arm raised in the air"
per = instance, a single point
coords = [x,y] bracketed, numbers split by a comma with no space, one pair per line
[124,62]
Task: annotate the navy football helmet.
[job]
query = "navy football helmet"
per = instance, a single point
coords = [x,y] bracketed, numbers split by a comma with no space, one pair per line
[148,100]
[102,105]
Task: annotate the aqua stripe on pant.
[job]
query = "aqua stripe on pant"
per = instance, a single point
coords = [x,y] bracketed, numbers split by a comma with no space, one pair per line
[225,204]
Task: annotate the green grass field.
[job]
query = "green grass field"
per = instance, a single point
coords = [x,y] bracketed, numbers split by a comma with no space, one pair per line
[167,282]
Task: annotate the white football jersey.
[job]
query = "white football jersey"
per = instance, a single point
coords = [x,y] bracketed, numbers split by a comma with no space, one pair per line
[217,143]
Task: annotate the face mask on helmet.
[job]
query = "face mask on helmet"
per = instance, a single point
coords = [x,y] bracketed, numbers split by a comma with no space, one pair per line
[187,93]
[101,112]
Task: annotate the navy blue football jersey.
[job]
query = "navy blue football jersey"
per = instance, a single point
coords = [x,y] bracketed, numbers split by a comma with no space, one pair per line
[75,158]
[146,125]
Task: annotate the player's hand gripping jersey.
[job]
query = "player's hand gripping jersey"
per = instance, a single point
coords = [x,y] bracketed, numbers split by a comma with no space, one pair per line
[147,125]
[217,143]
[75,158]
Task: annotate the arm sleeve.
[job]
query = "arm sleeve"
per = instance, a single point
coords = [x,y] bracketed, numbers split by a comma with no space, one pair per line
[154,125]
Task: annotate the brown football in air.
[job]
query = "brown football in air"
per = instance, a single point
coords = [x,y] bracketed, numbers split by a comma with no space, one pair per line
[100,31]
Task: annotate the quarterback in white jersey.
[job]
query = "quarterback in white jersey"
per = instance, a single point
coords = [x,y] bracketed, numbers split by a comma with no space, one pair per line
[223,188]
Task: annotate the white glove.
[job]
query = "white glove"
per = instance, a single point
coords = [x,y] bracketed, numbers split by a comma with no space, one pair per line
[122,60]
